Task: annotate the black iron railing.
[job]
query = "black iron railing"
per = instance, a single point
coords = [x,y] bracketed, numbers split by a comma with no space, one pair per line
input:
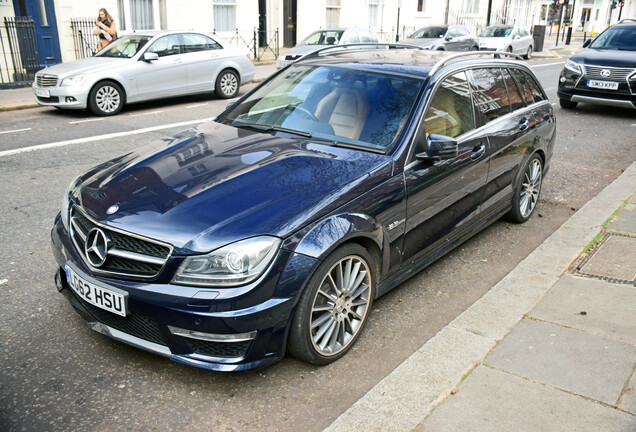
[84,41]
[20,60]
[262,44]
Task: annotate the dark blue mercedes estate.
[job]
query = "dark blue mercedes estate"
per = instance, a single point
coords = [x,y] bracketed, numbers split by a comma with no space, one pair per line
[273,228]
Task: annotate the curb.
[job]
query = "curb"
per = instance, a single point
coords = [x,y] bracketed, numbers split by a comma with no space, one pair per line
[410,393]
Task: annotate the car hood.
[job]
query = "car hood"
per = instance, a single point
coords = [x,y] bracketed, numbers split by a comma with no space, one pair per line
[300,50]
[84,66]
[208,187]
[605,57]
[421,41]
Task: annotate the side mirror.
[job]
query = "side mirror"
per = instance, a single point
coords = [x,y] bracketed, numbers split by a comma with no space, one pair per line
[587,43]
[150,56]
[449,38]
[439,147]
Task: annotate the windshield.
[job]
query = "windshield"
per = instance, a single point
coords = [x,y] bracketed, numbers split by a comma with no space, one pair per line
[429,32]
[126,46]
[324,37]
[621,38]
[350,108]
[496,32]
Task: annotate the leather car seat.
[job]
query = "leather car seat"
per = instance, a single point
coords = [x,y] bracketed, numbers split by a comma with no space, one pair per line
[345,110]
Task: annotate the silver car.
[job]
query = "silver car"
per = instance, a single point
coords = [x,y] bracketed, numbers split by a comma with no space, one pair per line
[324,38]
[144,66]
[510,38]
[444,38]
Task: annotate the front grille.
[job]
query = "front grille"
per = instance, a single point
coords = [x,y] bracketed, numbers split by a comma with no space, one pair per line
[46,80]
[127,255]
[135,324]
[219,349]
[616,74]
[52,99]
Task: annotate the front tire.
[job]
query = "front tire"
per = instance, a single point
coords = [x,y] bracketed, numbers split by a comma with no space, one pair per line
[227,84]
[567,104]
[106,99]
[526,195]
[334,306]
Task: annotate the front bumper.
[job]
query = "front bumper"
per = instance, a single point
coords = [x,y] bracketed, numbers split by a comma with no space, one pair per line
[62,97]
[160,315]
[573,87]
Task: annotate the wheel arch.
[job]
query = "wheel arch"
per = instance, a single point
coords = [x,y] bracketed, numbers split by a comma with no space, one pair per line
[113,80]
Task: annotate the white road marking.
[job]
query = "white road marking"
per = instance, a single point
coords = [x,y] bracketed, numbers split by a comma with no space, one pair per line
[98,137]
[145,114]
[548,64]
[15,130]
[86,121]
[197,105]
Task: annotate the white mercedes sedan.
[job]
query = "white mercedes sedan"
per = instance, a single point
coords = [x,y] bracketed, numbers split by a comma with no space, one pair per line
[144,66]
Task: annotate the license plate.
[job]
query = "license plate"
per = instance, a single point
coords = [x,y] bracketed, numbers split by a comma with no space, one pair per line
[608,85]
[96,293]
[42,93]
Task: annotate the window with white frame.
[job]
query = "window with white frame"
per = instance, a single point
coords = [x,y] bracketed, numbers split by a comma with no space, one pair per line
[376,12]
[471,6]
[141,14]
[333,14]
[224,15]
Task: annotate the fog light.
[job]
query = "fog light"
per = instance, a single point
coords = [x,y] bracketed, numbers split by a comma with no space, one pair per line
[70,99]
[562,79]
[238,337]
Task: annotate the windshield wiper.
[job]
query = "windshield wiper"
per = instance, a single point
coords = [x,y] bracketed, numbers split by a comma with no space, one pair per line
[269,129]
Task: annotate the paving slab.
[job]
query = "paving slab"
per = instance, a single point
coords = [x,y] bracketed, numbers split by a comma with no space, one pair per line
[491,400]
[628,400]
[625,220]
[569,359]
[615,259]
[595,306]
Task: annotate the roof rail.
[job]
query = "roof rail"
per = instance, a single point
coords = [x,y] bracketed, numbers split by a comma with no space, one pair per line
[354,47]
[460,56]
[626,20]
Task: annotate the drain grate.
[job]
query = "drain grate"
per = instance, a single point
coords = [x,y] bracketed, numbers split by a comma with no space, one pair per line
[583,265]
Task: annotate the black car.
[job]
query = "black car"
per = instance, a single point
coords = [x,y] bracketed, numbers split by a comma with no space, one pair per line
[274,228]
[605,72]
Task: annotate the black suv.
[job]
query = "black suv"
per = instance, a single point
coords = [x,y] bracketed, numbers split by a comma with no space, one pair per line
[605,72]
[276,226]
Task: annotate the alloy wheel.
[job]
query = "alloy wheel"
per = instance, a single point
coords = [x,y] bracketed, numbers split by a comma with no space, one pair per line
[340,306]
[107,99]
[530,188]
[229,84]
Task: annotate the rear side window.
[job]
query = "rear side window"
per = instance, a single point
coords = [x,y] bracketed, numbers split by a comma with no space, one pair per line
[451,111]
[491,97]
[516,100]
[197,42]
[530,90]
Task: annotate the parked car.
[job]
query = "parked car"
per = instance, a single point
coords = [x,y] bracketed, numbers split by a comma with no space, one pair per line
[605,72]
[324,38]
[444,38]
[275,227]
[144,66]
[510,38]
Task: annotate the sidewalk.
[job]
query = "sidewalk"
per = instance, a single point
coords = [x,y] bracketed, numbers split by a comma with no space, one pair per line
[21,98]
[551,347]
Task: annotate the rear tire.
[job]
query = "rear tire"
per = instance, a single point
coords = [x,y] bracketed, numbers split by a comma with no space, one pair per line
[526,195]
[334,306]
[567,104]
[227,84]
[528,55]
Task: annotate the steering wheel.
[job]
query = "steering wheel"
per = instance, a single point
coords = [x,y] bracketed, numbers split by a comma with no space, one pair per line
[308,115]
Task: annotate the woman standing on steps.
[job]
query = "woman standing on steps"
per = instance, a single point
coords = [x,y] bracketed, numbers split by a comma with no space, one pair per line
[105,28]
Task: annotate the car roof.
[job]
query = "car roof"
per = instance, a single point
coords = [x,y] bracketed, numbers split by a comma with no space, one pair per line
[401,59]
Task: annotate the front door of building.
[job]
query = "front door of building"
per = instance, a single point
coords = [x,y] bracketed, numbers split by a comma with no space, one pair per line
[47,39]
[289,19]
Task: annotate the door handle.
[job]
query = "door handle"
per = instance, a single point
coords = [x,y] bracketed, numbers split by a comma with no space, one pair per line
[478,151]
[523,124]
[177,61]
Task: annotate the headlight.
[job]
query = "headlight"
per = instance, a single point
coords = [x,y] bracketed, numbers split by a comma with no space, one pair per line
[73,81]
[573,67]
[233,265]
[66,201]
